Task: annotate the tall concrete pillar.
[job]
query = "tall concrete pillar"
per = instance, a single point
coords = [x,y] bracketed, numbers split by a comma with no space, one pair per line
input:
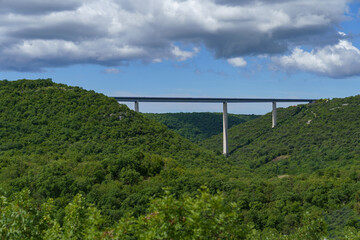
[225,130]
[273,114]
[136,106]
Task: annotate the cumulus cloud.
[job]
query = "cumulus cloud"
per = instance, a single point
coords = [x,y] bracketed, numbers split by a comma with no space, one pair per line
[336,61]
[35,7]
[35,34]
[237,62]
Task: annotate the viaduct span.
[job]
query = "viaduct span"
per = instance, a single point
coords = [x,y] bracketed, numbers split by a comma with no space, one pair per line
[224,101]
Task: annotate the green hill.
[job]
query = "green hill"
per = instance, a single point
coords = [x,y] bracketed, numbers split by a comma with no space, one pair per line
[308,138]
[315,147]
[198,126]
[59,141]
[78,151]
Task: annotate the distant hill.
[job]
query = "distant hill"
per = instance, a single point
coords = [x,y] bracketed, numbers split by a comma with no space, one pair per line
[198,126]
[307,138]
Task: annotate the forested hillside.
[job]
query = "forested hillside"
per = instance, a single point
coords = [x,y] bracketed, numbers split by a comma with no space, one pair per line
[59,141]
[198,126]
[315,143]
[75,164]
[308,138]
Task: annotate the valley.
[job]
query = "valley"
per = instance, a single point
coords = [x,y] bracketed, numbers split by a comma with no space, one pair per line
[76,164]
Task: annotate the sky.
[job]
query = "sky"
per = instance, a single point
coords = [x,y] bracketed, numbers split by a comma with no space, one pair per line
[186,48]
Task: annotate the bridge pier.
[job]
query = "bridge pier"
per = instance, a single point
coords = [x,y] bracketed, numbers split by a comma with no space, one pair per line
[273,114]
[225,130]
[136,106]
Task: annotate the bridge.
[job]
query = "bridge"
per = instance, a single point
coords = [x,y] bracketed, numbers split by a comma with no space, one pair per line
[224,101]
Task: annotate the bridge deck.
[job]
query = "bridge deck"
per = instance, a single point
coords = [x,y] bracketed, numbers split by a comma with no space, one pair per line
[208,100]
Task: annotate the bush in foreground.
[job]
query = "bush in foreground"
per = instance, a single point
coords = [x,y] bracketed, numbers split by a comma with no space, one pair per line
[204,216]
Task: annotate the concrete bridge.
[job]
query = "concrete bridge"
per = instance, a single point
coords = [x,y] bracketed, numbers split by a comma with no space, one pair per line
[224,101]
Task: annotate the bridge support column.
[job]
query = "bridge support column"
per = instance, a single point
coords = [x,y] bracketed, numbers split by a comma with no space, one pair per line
[136,106]
[225,130]
[273,114]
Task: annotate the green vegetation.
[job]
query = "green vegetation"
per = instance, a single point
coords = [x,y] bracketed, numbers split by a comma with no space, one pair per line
[198,126]
[319,142]
[75,164]
[204,216]
[59,141]
[308,138]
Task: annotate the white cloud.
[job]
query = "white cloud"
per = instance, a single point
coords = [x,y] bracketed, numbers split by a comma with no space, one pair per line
[35,34]
[237,62]
[181,55]
[336,61]
[112,71]
[157,60]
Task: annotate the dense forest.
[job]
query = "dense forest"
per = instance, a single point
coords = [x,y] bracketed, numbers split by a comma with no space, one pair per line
[308,138]
[198,126]
[75,164]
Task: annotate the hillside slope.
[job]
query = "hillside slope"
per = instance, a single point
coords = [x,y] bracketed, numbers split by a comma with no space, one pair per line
[198,126]
[307,138]
[58,141]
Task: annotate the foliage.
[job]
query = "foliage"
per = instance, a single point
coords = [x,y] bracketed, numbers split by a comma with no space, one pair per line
[204,216]
[59,141]
[19,217]
[308,138]
[198,126]
[92,167]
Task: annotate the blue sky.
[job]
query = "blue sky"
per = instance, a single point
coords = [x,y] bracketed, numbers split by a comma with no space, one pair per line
[219,48]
